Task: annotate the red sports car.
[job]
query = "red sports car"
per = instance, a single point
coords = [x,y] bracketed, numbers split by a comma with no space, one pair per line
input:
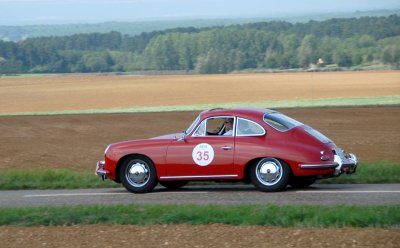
[261,146]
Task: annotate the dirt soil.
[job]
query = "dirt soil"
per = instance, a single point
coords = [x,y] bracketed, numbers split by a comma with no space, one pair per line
[77,142]
[190,236]
[59,93]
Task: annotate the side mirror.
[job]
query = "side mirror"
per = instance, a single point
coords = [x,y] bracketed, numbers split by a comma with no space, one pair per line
[183,138]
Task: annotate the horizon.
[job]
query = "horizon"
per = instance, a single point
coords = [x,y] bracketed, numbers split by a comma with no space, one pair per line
[47,12]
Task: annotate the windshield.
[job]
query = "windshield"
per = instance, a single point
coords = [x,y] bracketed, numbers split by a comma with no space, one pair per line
[190,129]
[281,122]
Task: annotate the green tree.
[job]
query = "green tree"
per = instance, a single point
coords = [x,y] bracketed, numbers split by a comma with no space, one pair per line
[97,62]
[391,55]
[9,66]
[306,54]
[342,58]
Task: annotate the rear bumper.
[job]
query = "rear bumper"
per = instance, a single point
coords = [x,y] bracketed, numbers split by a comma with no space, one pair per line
[100,171]
[346,164]
[342,164]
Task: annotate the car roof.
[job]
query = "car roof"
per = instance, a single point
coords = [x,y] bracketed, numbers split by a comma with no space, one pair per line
[245,112]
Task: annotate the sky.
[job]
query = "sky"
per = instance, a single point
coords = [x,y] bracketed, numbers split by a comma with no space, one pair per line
[23,12]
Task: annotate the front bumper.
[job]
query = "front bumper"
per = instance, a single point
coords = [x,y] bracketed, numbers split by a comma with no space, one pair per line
[100,171]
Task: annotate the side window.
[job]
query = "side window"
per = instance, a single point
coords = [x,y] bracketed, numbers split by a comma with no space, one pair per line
[249,128]
[215,126]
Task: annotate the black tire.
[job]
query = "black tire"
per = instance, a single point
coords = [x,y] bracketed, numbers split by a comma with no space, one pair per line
[172,185]
[138,174]
[270,174]
[301,182]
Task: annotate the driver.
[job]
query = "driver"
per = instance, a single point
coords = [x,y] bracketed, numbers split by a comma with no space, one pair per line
[228,127]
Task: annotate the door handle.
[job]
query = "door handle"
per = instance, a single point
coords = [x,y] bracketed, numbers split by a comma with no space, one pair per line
[227,147]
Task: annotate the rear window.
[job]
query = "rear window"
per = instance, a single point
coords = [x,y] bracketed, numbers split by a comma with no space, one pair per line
[248,128]
[281,122]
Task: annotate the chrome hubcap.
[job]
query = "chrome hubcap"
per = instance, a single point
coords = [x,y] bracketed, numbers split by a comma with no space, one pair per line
[269,172]
[138,173]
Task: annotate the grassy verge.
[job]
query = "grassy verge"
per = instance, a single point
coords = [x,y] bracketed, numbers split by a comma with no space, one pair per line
[378,172]
[51,179]
[268,215]
[332,102]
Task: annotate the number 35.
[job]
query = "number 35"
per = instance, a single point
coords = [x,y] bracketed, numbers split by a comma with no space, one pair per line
[203,155]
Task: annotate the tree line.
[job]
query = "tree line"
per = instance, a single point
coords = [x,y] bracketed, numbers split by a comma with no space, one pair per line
[343,42]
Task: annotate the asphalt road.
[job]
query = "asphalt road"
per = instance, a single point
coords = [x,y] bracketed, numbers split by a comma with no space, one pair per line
[318,194]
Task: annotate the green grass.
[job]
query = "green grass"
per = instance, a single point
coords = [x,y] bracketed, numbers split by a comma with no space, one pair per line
[50,179]
[266,215]
[27,75]
[378,172]
[333,102]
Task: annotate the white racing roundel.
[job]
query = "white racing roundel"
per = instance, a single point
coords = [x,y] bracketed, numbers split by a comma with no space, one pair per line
[203,154]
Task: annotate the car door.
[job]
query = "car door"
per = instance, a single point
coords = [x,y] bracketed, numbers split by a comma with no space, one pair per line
[207,153]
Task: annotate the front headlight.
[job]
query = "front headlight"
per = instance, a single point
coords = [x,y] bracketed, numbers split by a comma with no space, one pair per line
[108,147]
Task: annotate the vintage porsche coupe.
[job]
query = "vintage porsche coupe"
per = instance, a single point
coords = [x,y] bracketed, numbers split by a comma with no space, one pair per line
[252,145]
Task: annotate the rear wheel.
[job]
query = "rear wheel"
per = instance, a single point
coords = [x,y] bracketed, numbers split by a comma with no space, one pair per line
[270,174]
[173,184]
[138,174]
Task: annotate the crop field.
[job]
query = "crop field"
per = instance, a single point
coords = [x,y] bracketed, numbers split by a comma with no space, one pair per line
[37,133]
[102,93]
[77,142]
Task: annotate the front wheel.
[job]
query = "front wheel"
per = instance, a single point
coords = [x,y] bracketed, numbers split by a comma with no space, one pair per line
[138,174]
[270,174]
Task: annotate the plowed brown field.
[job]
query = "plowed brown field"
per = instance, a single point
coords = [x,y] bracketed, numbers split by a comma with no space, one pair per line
[78,141]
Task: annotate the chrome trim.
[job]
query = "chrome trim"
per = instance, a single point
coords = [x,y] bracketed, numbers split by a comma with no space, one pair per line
[324,157]
[137,173]
[348,165]
[204,176]
[339,161]
[197,128]
[318,166]
[269,171]
[100,172]
[248,135]
[353,157]
[193,125]
[227,147]
[106,150]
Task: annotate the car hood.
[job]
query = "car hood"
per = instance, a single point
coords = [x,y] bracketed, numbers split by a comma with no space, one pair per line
[172,136]
[140,142]
[161,138]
